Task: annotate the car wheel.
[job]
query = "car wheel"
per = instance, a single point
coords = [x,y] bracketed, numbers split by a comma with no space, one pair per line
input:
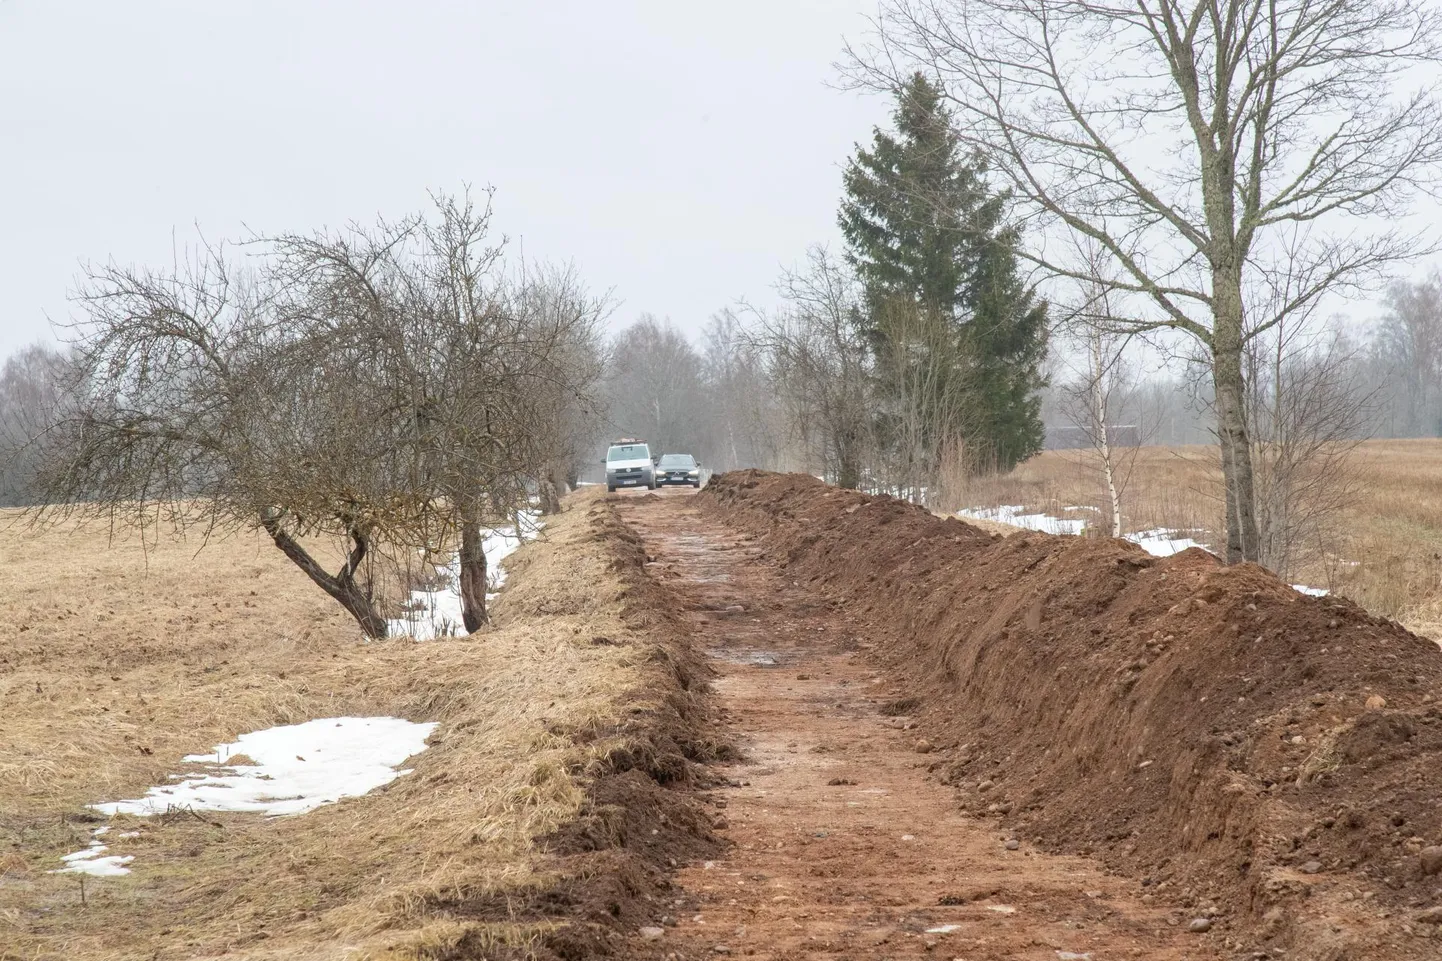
[611,488]
[696,484]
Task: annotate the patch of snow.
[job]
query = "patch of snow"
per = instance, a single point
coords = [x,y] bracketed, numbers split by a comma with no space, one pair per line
[298,767]
[1160,542]
[1009,514]
[432,614]
[1001,908]
[943,929]
[1164,543]
[89,860]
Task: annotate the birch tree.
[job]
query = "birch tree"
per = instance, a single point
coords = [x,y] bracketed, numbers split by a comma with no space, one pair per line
[1211,148]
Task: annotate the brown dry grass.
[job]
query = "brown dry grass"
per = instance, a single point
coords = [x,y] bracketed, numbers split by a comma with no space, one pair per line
[113,665]
[1388,556]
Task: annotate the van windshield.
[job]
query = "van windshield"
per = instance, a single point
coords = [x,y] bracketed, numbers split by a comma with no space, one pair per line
[629,452]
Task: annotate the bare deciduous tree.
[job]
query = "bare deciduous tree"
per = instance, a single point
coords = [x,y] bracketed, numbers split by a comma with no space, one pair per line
[655,385]
[381,386]
[34,385]
[1300,150]
[1410,341]
[1308,410]
[818,359]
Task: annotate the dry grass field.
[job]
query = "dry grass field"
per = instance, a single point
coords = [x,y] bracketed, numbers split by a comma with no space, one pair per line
[115,662]
[1383,551]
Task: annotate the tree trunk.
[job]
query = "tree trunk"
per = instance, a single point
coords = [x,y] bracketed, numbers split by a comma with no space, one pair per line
[343,586]
[549,496]
[473,576]
[1232,435]
[848,467]
[1104,441]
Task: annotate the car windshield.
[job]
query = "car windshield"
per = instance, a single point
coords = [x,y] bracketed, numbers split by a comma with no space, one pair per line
[629,452]
[678,460]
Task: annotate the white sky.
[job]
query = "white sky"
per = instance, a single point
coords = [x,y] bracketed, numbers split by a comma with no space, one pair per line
[679,154]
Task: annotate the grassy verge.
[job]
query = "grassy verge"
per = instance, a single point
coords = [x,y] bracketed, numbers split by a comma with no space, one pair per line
[516,833]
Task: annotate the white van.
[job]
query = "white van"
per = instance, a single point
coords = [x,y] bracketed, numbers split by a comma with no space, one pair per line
[628,464]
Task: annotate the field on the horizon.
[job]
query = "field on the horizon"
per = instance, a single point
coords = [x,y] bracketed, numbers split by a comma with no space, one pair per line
[1383,550]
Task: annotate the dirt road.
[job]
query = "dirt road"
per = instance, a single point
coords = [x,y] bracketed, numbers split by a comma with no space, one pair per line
[844,844]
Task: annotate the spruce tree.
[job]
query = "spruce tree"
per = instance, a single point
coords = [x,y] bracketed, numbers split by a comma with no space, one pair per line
[926,235]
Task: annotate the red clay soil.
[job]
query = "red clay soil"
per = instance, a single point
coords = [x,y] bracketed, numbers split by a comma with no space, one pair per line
[842,844]
[1219,739]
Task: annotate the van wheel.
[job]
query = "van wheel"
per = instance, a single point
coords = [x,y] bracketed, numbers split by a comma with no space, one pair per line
[611,488]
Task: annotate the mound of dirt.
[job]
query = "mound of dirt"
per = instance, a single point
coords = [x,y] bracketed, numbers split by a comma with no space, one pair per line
[1236,746]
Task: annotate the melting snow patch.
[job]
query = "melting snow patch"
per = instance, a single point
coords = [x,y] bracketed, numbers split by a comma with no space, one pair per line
[432,614]
[1032,522]
[295,768]
[1312,591]
[89,861]
[1001,908]
[943,929]
[1164,543]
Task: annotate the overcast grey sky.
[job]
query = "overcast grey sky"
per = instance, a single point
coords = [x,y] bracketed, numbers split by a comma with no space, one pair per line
[679,153]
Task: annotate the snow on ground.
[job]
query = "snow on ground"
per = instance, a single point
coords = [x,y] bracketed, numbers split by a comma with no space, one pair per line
[89,860]
[293,768]
[432,614]
[1159,542]
[1032,522]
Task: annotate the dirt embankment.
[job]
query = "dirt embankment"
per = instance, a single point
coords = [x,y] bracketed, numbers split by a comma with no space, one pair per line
[1206,730]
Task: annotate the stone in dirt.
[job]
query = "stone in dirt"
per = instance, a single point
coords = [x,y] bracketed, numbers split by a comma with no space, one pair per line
[651,933]
[1431,860]
[1200,925]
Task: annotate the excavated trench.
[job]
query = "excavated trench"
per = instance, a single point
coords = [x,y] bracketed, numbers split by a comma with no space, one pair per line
[958,745]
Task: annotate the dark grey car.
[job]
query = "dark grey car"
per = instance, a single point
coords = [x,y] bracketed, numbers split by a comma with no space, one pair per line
[678,469]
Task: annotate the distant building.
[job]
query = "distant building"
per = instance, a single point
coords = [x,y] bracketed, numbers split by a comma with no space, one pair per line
[1071,437]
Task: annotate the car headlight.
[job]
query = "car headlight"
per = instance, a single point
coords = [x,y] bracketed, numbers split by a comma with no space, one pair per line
[694,473]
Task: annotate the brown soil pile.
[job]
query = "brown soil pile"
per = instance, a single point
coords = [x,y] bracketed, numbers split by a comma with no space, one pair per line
[1208,730]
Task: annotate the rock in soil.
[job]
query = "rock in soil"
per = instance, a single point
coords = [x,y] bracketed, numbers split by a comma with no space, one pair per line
[1431,860]
[1200,925]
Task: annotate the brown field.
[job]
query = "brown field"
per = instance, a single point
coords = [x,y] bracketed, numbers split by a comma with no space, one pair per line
[115,662]
[1384,550]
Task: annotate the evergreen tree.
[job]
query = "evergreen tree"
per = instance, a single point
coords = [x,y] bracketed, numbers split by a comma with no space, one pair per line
[926,236]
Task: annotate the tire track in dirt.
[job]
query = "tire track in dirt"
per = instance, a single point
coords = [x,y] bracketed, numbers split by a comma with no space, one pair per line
[842,845]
